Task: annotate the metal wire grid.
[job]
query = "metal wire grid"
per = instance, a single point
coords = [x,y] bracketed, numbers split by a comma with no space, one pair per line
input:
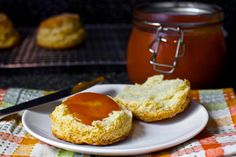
[104,45]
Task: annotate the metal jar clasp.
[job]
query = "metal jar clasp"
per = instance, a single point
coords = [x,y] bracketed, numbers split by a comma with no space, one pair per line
[154,47]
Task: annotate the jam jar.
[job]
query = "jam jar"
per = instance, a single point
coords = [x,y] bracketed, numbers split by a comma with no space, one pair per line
[179,40]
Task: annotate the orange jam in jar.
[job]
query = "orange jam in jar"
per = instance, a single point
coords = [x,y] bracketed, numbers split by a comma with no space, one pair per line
[178,39]
[88,107]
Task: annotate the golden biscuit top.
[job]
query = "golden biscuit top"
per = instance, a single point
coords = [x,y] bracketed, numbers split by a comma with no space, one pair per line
[3,17]
[4,21]
[59,20]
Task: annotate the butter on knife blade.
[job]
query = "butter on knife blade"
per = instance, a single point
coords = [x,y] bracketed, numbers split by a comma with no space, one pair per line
[50,97]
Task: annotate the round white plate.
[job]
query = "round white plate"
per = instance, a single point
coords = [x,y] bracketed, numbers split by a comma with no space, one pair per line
[145,138]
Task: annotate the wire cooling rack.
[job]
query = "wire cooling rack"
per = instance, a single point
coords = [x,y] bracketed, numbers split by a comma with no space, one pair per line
[104,45]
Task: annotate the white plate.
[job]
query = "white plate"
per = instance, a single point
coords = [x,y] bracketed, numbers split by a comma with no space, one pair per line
[145,138]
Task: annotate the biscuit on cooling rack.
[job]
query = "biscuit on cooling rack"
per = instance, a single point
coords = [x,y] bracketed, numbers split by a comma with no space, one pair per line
[9,37]
[60,31]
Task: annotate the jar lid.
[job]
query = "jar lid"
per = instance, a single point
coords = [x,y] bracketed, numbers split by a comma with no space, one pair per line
[182,14]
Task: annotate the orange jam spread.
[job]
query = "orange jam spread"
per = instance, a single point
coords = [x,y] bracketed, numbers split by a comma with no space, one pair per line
[88,107]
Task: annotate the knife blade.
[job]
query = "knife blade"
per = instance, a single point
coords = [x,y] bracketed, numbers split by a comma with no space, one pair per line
[50,97]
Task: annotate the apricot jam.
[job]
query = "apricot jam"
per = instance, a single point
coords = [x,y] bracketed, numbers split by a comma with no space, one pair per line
[88,107]
[158,29]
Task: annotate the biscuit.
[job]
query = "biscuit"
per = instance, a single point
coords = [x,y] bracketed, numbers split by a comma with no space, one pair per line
[155,99]
[9,37]
[60,32]
[111,129]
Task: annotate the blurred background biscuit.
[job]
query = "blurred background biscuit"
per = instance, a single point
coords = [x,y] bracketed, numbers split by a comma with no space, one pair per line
[60,31]
[8,34]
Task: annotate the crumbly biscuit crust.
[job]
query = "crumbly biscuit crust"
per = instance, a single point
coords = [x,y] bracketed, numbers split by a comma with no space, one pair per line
[156,99]
[112,129]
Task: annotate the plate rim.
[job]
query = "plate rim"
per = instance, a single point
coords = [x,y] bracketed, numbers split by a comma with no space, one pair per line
[121,152]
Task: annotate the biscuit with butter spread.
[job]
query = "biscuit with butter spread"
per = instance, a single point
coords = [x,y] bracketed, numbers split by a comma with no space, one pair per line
[155,99]
[90,118]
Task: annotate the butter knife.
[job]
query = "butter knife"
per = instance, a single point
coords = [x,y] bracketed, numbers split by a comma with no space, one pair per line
[50,97]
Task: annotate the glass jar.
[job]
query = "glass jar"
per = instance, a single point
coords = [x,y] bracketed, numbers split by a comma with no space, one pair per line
[178,39]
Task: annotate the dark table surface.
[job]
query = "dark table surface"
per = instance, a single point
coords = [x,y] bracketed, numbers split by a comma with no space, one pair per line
[54,78]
